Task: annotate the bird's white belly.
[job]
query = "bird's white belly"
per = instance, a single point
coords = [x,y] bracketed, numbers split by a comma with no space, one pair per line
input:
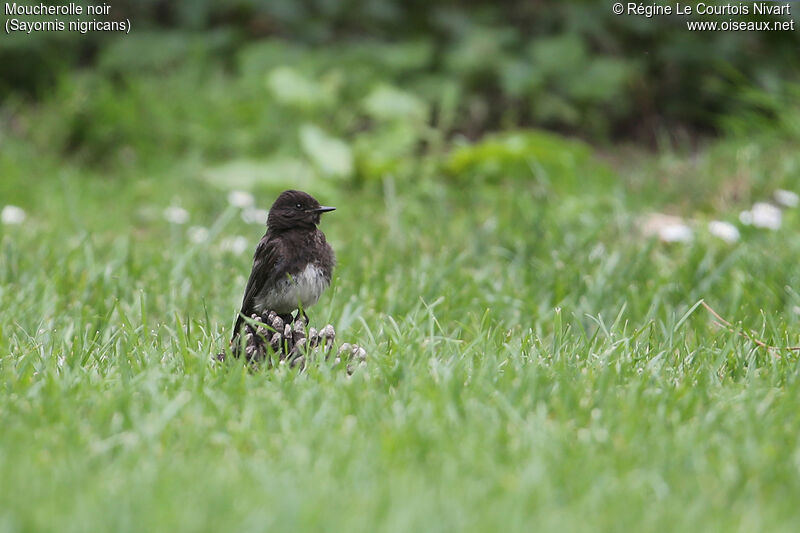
[304,290]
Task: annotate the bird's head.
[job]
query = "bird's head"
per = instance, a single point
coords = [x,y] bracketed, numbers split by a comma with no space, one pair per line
[295,209]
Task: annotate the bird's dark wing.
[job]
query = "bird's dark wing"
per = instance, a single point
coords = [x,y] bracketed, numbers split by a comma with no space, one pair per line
[267,262]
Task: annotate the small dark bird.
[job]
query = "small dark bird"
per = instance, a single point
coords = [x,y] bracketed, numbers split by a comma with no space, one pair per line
[293,262]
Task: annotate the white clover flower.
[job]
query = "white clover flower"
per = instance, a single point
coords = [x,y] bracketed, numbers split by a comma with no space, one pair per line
[787,198]
[675,233]
[12,214]
[236,245]
[198,234]
[724,230]
[746,218]
[253,215]
[667,228]
[766,216]
[176,215]
[241,199]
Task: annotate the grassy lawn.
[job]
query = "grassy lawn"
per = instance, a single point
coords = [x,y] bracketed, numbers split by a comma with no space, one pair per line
[535,362]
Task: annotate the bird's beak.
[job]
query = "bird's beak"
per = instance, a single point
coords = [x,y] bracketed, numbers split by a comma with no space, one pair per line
[322,209]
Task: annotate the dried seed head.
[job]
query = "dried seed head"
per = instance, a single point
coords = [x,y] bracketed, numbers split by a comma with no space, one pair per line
[359,353]
[275,341]
[346,349]
[313,337]
[328,336]
[251,351]
[327,332]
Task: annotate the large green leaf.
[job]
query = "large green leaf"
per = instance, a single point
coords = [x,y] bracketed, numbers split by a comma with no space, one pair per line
[291,87]
[330,155]
[386,102]
[246,174]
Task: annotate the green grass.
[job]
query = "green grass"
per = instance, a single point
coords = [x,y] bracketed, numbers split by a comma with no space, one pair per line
[534,362]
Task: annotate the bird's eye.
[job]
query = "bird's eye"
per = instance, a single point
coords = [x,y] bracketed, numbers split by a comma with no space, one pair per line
[298,206]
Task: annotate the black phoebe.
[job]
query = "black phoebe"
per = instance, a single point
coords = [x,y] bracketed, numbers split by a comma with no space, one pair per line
[293,262]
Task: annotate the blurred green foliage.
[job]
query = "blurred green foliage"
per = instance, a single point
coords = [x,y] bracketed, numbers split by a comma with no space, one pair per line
[573,67]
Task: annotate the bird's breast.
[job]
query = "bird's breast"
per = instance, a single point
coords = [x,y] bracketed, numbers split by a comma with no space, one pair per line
[302,289]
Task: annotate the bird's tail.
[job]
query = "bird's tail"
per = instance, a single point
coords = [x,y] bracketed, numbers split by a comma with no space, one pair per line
[237,328]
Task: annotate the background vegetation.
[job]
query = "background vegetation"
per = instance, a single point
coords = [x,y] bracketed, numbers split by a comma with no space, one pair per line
[536,357]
